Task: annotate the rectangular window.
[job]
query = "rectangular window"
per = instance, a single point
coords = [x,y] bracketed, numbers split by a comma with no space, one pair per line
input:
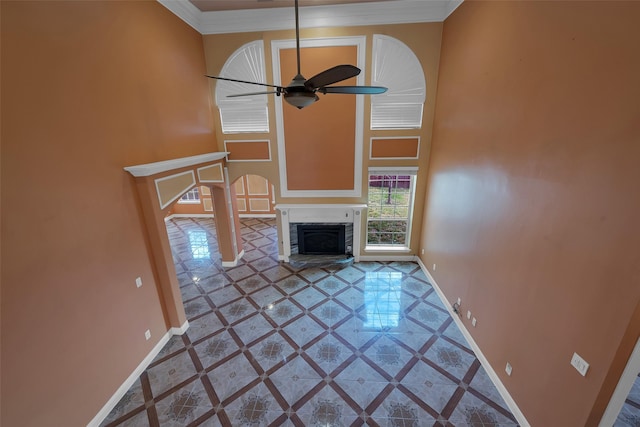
[390,208]
[191,196]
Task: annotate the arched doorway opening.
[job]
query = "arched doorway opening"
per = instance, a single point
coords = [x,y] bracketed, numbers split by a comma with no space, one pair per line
[159,185]
[255,200]
[255,197]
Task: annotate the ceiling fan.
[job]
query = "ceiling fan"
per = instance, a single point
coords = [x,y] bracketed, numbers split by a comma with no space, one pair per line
[302,92]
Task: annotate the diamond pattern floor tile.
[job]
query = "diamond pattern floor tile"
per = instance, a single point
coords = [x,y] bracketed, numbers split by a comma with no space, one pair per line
[184,405]
[268,344]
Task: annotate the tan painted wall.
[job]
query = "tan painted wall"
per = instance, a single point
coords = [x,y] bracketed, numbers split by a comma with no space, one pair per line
[87,88]
[424,39]
[532,217]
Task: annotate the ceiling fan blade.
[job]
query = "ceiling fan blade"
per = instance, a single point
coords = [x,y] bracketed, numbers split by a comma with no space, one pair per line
[244,81]
[357,90]
[332,75]
[277,92]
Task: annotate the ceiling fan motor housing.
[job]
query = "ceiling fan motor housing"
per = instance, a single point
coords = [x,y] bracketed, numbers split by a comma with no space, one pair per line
[298,94]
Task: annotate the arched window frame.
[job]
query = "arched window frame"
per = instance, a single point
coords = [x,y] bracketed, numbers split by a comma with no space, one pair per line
[396,67]
[246,114]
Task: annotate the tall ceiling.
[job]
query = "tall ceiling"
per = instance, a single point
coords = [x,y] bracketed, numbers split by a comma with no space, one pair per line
[219,5]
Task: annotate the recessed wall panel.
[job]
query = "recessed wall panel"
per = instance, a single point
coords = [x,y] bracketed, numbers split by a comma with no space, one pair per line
[395,148]
[248,151]
[171,187]
[211,173]
[320,139]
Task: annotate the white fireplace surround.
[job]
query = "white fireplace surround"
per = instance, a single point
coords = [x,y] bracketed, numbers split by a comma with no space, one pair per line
[310,214]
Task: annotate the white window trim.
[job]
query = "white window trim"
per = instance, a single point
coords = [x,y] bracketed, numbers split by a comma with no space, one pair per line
[190,201]
[401,170]
[253,110]
[397,67]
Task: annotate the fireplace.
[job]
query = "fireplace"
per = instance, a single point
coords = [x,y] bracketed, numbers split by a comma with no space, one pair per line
[347,217]
[321,239]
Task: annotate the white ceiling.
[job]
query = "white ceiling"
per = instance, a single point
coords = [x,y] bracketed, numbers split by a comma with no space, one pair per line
[218,5]
[340,13]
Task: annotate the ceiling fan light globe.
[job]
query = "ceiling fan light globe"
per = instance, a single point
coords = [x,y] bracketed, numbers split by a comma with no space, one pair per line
[301,99]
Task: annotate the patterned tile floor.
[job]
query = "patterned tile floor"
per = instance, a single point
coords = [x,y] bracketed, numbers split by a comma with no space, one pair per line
[269,345]
[630,414]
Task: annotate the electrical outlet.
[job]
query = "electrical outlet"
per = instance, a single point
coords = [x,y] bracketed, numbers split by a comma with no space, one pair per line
[468,314]
[434,267]
[508,369]
[473,322]
[138,282]
[580,364]
[147,334]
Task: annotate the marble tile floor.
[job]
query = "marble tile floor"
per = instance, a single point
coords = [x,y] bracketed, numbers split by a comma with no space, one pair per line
[629,416]
[271,345]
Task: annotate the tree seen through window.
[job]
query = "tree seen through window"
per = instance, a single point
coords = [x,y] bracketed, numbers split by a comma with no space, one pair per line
[389,209]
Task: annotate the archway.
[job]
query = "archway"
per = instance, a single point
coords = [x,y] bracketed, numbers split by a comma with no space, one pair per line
[162,183]
[255,196]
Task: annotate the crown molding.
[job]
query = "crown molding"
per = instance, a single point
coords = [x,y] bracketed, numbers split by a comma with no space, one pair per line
[184,10]
[346,15]
[451,6]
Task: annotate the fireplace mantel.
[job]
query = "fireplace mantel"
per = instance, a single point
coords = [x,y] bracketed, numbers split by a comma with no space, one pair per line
[320,213]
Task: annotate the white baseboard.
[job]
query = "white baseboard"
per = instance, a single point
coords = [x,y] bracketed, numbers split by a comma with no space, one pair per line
[235,261]
[515,410]
[168,217]
[387,258]
[181,330]
[211,215]
[126,385]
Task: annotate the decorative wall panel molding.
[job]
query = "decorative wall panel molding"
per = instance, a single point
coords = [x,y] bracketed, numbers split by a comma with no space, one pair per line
[170,188]
[248,151]
[395,148]
[294,189]
[211,174]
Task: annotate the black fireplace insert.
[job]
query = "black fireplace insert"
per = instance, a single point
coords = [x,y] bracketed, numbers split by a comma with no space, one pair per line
[321,239]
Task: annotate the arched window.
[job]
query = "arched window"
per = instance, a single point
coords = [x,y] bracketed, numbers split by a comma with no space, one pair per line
[396,67]
[246,114]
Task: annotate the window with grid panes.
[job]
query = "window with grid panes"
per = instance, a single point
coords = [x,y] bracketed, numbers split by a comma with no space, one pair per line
[191,196]
[390,207]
